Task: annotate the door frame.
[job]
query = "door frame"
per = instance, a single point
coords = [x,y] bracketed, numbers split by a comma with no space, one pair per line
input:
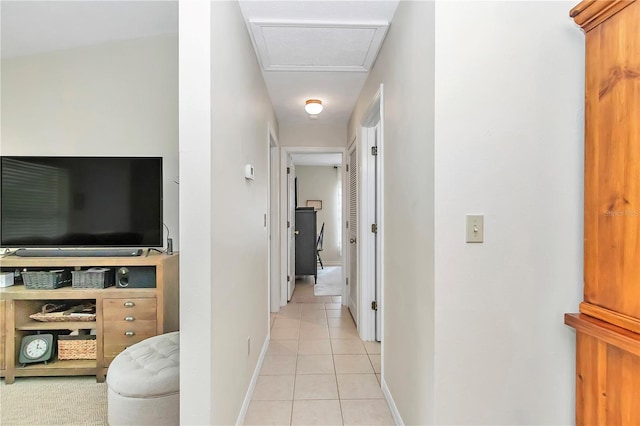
[283,235]
[292,200]
[371,261]
[272,221]
[285,151]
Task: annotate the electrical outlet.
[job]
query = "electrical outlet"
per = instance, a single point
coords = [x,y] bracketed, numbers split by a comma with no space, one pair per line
[249,345]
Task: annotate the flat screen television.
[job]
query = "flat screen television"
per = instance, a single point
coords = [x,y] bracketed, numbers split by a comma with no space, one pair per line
[74,202]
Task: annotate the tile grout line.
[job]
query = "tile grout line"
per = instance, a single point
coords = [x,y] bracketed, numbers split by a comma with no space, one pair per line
[335,370]
[295,376]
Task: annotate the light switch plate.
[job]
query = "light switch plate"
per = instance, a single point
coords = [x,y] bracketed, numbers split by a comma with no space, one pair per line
[248,172]
[475,228]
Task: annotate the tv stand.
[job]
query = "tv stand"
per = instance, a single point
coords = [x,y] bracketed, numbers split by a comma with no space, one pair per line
[107,252]
[124,316]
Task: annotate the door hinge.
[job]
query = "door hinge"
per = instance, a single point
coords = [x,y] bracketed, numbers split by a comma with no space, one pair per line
[374,150]
[288,278]
[347,280]
[374,305]
[288,170]
[288,224]
[347,167]
[347,224]
[374,228]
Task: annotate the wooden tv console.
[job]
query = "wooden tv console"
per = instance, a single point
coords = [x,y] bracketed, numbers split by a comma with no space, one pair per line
[124,316]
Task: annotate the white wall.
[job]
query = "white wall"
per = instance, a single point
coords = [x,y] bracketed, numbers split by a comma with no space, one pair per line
[313,135]
[324,183]
[232,269]
[405,66]
[117,99]
[481,325]
[509,123]
[196,290]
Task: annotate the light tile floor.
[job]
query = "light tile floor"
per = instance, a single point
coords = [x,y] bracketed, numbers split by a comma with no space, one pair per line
[317,371]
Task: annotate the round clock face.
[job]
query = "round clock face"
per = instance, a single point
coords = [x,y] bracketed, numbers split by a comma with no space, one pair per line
[36,348]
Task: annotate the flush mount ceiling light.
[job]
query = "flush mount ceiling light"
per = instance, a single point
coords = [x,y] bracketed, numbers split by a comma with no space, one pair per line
[313,107]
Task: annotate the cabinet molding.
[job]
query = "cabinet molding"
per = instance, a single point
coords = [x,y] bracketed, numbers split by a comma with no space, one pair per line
[591,13]
[612,317]
[611,334]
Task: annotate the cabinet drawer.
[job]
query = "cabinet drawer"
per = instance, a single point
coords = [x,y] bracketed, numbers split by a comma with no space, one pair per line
[127,321]
[119,335]
[133,309]
[120,330]
[115,342]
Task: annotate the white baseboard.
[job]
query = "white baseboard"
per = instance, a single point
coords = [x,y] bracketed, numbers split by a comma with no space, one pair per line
[252,385]
[331,263]
[392,405]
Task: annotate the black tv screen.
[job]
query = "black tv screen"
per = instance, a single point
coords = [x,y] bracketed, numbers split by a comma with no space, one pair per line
[81,202]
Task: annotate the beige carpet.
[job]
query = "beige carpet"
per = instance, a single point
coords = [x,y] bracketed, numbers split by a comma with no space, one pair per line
[329,281]
[53,401]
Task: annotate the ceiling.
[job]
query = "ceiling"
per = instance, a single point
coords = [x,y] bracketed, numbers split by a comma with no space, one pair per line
[344,34]
[32,27]
[316,49]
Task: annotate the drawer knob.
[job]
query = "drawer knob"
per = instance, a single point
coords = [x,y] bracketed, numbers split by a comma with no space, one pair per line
[129,319]
[129,304]
[129,333]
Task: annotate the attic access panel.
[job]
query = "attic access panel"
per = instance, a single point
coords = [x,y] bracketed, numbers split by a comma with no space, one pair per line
[317,46]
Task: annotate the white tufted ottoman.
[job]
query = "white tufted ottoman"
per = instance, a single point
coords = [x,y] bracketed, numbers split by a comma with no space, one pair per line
[143,383]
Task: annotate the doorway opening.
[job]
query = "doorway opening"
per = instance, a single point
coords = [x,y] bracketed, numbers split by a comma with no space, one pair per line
[312,224]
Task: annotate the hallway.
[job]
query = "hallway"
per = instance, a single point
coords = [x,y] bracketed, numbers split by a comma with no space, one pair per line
[317,371]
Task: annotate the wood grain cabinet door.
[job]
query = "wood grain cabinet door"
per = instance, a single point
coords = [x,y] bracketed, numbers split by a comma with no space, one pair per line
[612,165]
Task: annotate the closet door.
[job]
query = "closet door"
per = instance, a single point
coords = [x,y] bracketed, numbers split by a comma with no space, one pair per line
[353,233]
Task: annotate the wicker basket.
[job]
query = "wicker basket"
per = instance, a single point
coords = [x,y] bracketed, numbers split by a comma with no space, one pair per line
[61,317]
[46,280]
[52,312]
[77,347]
[93,278]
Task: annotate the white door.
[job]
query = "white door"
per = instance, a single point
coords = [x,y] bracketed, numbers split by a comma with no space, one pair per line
[353,233]
[291,223]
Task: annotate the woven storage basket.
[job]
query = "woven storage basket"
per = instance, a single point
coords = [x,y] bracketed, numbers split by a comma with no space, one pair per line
[46,280]
[52,312]
[93,278]
[61,317]
[76,347]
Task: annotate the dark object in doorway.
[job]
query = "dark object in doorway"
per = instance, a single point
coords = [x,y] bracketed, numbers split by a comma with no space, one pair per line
[319,245]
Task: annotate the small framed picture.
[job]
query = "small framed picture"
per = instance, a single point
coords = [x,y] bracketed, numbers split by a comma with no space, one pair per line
[316,204]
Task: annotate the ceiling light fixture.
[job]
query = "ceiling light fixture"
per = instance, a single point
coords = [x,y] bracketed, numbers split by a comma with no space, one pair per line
[313,107]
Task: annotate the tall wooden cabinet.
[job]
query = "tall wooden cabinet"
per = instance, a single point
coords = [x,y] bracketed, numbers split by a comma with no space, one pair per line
[608,325]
